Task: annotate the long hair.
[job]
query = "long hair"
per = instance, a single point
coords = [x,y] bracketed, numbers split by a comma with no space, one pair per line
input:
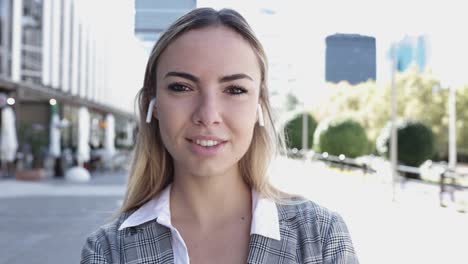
[152,166]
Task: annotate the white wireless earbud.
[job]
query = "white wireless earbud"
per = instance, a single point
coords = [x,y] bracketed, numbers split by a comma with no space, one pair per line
[149,114]
[261,121]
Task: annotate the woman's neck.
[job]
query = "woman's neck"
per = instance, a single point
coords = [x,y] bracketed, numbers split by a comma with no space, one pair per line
[210,201]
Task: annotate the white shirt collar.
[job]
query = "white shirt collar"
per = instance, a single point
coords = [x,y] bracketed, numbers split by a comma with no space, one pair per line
[265,220]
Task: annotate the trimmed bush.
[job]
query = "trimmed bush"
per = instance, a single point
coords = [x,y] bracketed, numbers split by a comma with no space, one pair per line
[341,136]
[416,142]
[293,131]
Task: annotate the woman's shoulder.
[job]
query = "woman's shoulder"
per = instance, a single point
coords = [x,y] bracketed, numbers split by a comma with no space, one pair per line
[111,228]
[298,207]
[306,214]
[100,243]
[322,225]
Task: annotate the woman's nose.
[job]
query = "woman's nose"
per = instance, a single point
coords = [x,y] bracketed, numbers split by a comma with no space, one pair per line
[207,111]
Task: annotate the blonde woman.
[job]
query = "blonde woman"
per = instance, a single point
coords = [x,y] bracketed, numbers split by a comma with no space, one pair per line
[198,191]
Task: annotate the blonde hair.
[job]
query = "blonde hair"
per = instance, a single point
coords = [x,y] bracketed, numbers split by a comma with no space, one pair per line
[152,166]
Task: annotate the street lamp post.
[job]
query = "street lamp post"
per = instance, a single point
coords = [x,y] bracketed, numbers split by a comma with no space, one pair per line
[305,129]
[394,134]
[452,161]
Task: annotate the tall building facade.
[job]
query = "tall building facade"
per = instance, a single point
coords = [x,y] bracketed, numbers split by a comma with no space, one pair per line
[410,50]
[153,17]
[350,57]
[57,45]
[69,54]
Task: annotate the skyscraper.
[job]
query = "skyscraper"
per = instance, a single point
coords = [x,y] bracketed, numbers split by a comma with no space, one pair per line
[153,17]
[350,57]
[410,50]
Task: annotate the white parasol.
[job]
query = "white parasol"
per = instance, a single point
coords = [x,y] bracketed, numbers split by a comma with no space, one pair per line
[54,146]
[83,154]
[130,128]
[9,140]
[110,136]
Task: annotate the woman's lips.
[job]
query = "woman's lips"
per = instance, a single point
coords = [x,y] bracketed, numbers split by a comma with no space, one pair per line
[206,151]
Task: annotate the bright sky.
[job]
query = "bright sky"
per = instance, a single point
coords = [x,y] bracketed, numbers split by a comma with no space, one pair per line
[294,34]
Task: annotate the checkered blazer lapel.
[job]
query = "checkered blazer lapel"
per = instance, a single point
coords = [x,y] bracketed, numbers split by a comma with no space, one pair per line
[149,242]
[152,241]
[267,250]
[309,234]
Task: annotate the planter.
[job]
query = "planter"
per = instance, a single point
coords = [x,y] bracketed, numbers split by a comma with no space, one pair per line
[31,175]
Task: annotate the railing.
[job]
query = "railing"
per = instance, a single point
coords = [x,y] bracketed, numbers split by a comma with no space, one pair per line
[448,179]
[340,161]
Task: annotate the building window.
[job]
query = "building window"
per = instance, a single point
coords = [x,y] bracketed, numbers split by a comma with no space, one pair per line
[5,37]
[31,67]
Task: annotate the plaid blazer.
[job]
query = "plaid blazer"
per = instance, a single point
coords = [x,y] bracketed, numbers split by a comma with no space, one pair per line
[309,234]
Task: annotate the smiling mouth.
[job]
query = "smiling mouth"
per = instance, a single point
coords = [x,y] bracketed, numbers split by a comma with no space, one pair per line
[206,143]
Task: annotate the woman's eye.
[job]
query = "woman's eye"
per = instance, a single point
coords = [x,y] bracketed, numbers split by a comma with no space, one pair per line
[177,87]
[236,90]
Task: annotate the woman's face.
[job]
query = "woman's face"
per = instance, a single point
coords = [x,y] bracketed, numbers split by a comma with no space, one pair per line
[207,95]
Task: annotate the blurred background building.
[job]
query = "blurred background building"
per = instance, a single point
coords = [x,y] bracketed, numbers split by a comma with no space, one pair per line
[410,50]
[66,54]
[350,57]
[153,17]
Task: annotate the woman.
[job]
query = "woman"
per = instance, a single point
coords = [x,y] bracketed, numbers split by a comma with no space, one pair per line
[198,190]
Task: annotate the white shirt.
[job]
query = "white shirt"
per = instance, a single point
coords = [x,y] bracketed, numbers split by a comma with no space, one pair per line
[264,220]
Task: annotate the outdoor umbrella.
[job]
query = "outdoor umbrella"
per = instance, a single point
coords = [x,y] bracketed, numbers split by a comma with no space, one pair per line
[83,135]
[130,128]
[54,146]
[110,136]
[9,141]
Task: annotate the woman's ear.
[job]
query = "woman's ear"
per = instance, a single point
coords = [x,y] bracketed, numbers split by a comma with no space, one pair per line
[151,110]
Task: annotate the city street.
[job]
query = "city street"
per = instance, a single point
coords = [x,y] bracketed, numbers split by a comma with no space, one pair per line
[47,222]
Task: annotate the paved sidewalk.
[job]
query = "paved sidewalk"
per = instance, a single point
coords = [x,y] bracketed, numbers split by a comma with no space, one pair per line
[101,184]
[48,221]
[413,229]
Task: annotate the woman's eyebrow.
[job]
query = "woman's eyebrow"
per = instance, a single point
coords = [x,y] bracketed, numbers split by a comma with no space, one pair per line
[195,79]
[183,75]
[233,77]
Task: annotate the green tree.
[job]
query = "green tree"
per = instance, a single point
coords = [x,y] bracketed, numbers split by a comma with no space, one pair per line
[416,142]
[341,136]
[291,102]
[462,120]
[293,131]
[34,140]
[420,97]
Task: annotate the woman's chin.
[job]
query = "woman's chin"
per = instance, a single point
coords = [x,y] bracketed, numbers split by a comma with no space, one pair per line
[209,170]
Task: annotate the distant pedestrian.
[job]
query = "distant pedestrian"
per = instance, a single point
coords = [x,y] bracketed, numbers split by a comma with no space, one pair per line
[198,190]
